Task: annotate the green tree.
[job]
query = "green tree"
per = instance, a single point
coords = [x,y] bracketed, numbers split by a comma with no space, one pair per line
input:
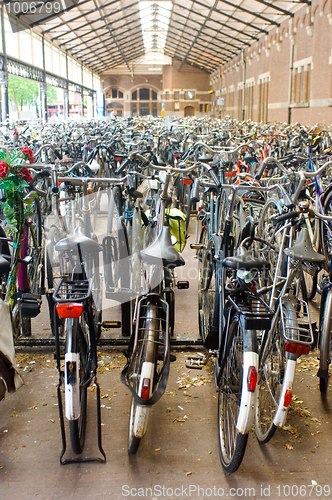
[25,92]
[22,92]
[51,94]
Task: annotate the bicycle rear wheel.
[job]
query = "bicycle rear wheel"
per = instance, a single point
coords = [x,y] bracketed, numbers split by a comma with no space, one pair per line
[75,374]
[232,443]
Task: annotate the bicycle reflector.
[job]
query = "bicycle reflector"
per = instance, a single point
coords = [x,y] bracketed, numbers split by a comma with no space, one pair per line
[146,388]
[296,348]
[252,378]
[69,310]
[287,397]
[186,181]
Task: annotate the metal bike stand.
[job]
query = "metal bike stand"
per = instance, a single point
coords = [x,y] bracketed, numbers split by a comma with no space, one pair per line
[63,433]
[62,422]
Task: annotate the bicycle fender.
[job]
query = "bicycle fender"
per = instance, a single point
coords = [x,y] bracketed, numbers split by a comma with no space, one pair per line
[248,399]
[157,393]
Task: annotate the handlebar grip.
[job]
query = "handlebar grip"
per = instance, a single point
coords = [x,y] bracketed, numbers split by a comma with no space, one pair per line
[259,172]
[194,197]
[214,177]
[57,154]
[289,215]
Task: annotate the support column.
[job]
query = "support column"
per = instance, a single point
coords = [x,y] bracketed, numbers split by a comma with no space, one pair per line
[291,69]
[4,95]
[65,103]
[82,103]
[43,98]
[4,74]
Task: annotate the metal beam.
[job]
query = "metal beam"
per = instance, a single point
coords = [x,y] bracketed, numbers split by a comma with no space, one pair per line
[269,4]
[200,57]
[115,29]
[74,53]
[207,46]
[192,64]
[65,23]
[197,35]
[48,18]
[92,22]
[131,55]
[231,17]
[247,11]
[103,28]
[253,37]
[109,52]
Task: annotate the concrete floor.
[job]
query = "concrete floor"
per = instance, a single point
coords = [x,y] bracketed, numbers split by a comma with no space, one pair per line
[179,456]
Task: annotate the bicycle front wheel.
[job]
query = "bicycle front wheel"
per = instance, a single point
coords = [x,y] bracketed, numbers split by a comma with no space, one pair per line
[232,443]
[75,388]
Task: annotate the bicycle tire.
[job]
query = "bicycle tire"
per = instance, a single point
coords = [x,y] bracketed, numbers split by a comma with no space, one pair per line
[232,443]
[35,270]
[270,381]
[325,344]
[75,343]
[133,441]
[120,269]
[146,354]
[208,303]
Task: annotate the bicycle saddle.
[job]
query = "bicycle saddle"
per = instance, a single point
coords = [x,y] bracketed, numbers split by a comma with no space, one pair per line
[245,261]
[70,242]
[161,251]
[303,250]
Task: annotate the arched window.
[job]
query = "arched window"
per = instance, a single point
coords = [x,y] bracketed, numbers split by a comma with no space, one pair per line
[116,108]
[147,104]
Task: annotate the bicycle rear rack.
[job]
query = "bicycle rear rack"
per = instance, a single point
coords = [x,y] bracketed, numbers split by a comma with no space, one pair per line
[69,291]
[296,330]
[256,312]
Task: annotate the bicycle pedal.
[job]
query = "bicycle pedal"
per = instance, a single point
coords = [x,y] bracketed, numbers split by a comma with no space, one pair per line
[182,285]
[111,324]
[197,246]
[196,362]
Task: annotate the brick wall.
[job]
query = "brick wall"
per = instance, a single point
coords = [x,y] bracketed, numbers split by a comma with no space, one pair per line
[173,78]
[270,59]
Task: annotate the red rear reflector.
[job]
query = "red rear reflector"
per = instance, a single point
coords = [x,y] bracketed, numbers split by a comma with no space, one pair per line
[186,181]
[117,159]
[287,397]
[176,155]
[146,388]
[252,379]
[230,174]
[69,310]
[297,348]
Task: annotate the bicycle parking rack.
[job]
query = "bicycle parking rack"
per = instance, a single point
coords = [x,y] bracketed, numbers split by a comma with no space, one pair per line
[63,433]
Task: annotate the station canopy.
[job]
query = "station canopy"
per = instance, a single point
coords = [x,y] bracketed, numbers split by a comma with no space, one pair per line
[106,34]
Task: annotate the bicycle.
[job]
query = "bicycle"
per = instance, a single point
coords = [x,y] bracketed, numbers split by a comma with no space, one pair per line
[74,303]
[148,356]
